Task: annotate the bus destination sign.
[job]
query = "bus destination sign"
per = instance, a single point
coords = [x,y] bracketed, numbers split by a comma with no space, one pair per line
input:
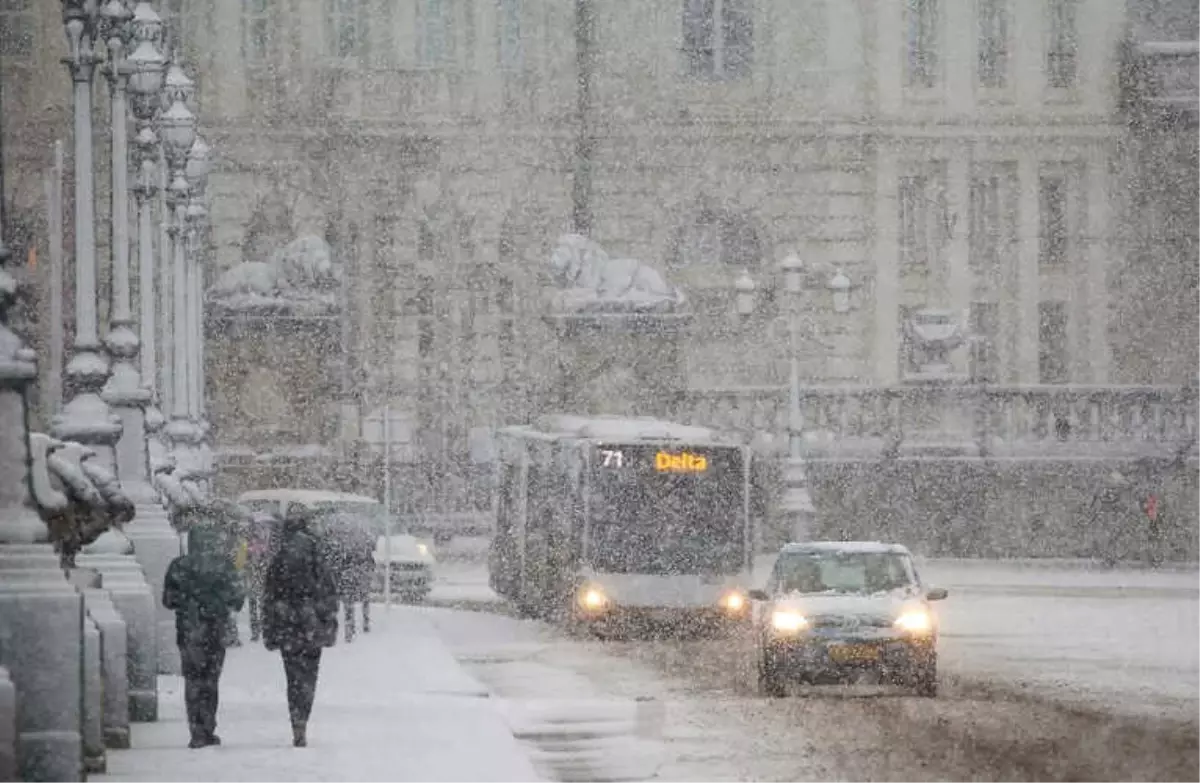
[664,460]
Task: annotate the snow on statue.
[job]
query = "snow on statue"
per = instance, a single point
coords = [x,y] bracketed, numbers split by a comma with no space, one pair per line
[300,274]
[591,280]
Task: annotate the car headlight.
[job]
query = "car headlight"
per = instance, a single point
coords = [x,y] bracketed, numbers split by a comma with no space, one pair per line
[733,602]
[788,622]
[915,621]
[423,549]
[593,599]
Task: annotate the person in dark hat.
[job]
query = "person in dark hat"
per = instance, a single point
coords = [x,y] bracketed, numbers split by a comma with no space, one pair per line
[203,590]
[300,603]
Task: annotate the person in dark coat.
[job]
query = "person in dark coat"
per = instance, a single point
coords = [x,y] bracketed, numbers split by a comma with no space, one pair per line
[299,614]
[350,552]
[204,591]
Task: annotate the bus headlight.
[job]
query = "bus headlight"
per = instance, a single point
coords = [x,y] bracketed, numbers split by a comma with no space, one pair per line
[593,599]
[785,621]
[733,602]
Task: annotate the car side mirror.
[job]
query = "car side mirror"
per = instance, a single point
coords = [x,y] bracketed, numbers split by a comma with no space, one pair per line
[758,595]
[936,594]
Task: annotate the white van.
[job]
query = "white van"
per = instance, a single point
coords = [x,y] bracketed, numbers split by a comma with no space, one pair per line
[411,561]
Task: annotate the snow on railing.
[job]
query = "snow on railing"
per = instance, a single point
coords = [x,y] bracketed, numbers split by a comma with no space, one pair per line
[1053,420]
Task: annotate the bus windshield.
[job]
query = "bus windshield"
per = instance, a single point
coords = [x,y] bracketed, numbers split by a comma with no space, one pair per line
[667,510]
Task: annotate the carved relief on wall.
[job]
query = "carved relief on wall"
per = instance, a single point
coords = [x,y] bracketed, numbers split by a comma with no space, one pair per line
[264,406]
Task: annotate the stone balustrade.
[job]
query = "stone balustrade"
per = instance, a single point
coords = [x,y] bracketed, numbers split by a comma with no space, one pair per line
[1017,421]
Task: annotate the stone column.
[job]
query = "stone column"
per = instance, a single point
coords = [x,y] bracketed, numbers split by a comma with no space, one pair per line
[958,272]
[1028,270]
[887,274]
[1099,215]
[41,615]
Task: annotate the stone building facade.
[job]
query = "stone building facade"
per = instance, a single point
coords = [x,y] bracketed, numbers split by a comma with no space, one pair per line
[958,155]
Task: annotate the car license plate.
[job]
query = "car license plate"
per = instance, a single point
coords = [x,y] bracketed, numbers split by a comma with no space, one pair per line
[853,653]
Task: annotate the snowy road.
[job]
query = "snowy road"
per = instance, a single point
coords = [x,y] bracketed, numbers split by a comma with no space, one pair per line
[1048,673]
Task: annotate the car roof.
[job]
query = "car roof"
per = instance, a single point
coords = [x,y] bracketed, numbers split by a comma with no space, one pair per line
[866,547]
[305,496]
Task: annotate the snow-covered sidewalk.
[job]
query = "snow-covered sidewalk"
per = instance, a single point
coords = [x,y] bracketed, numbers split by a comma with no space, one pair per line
[392,705]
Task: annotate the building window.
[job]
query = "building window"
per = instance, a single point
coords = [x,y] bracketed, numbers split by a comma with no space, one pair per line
[923,43]
[993,43]
[434,41]
[16,30]
[985,328]
[347,27]
[512,56]
[985,232]
[718,38]
[256,31]
[504,295]
[426,242]
[1062,52]
[1052,342]
[914,220]
[1053,230]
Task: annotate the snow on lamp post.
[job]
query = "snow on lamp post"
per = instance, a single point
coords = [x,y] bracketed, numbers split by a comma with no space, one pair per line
[145,83]
[124,390]
[840,285]
[198,167]
[797,503]
[86,418]
[41,615]
[178,128]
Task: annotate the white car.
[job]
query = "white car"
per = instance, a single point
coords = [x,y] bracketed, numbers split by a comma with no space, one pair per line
[411,567]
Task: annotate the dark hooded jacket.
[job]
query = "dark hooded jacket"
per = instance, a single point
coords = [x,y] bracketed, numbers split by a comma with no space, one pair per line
[300,598]
[202,586]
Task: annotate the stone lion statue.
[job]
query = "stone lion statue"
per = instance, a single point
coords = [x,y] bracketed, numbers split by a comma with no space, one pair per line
[302,271]
[591,279]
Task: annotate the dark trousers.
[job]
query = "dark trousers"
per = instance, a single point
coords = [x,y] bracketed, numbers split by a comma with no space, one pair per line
[348,608]
[255,608]
[301,668]
[202,655]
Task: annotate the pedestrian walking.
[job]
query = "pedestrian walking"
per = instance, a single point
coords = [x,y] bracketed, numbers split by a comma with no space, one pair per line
[259,550]
[203,590]
[349,549]
[299,614]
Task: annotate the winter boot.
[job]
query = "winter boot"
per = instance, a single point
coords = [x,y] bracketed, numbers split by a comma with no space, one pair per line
[300,735]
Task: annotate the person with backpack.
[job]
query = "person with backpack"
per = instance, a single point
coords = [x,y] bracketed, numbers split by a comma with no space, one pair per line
[204,591]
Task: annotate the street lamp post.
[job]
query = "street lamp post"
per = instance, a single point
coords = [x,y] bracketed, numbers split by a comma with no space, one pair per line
[796,503]
[124,390]
[198,167]
[40,613]
[178,126]
[86,418]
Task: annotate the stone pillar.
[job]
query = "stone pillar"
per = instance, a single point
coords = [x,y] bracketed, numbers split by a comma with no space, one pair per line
[887,273]
[1028,271]
[1099,231]
[122,578]
[958,272]
[41,615]
[114,666]
[8,727]
[94,758]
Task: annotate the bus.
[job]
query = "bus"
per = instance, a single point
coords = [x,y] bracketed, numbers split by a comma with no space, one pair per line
[603,519]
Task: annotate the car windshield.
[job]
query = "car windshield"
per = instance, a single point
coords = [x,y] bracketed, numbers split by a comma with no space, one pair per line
[842,571]
[369,517]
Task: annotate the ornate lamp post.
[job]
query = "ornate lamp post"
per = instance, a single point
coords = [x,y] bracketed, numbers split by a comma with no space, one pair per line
[145,83]
[796,502]
[178,126]
[198,167]
[86,418]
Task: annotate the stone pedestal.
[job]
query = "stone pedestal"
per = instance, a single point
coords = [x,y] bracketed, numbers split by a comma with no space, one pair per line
[155,545]
[41,644]
[8,727]
[616,364]
[94,760]
[123,580]
[114,666]
[939,414]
